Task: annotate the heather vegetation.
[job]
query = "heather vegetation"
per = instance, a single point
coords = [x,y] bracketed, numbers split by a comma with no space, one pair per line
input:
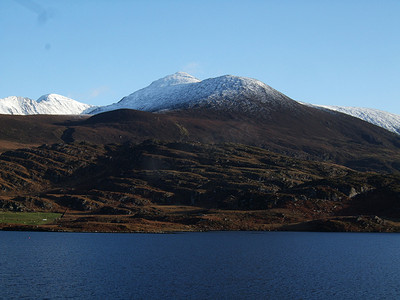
[164,186]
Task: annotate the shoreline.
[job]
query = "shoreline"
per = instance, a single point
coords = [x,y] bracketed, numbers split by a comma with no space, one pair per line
[351,224]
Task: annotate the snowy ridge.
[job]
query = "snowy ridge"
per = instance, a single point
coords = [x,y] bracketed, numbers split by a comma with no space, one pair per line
[181,90]
[377,117]
[51,104]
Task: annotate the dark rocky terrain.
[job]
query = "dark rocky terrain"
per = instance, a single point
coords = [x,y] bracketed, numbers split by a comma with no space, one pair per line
[161,186]
[293,168]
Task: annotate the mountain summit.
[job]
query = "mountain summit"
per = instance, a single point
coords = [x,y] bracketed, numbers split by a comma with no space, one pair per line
[174,79]
[181,90]
[50,104]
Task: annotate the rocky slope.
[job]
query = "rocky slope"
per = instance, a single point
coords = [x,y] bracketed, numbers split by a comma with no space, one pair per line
[158,186]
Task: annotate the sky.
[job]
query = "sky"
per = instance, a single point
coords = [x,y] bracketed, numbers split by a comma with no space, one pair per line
[338,52]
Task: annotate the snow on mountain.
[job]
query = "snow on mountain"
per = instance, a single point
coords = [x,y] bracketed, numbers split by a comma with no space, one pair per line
[377,117]
[51,104]
[174,79]
[181,90]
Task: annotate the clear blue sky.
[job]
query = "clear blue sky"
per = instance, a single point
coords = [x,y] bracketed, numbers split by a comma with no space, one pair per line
[338,52]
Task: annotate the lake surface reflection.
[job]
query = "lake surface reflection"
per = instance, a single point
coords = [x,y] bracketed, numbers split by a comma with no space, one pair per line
[214,265]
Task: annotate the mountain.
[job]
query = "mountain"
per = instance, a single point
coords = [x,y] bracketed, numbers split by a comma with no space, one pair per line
[233,93]
[377,117]
[50,104]
[226,109]
[181,90]
[226,153]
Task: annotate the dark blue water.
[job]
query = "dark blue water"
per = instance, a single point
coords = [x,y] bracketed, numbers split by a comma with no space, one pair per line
[220,265]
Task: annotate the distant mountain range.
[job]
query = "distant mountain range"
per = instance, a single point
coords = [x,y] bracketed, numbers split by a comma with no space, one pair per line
[50,104]
[182,90]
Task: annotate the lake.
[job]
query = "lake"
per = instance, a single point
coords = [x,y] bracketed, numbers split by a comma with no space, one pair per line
[212,265]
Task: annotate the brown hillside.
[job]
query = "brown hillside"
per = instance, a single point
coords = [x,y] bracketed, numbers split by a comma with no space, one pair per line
[306,132]
[302,132]
[157,186]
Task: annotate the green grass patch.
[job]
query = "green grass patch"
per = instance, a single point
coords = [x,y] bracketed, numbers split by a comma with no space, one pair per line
[27,218]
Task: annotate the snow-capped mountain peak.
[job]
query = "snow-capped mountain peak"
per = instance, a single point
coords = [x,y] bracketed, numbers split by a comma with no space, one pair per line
[181,90]
[174,79]
[52,104]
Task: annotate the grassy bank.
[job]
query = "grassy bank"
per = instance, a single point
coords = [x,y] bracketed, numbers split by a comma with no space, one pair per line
[27,218]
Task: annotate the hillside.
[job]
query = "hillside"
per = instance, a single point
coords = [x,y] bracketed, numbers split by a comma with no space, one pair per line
[158,186]
[34,130]
[297,131]
[302,132]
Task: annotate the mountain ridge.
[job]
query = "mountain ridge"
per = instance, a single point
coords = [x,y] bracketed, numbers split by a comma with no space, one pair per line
[52,104]
[386,120]
[183,91]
